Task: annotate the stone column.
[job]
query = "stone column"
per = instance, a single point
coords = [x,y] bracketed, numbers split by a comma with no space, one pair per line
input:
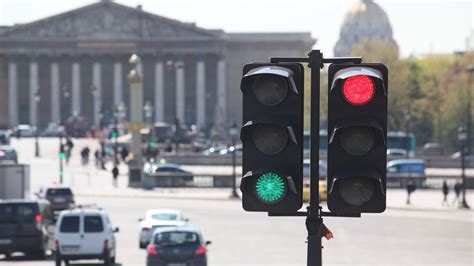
[180,100]
[12,94]
[221,107]
[159,93]
[34,88]
[76,89]
[200,94]
[118,88]
[97,83]
[55,94]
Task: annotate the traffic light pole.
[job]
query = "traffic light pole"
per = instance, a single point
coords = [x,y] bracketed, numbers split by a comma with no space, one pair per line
[314,214]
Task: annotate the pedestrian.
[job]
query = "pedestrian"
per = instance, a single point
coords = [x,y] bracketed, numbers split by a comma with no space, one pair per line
[115,173]
[445,190]
[124,154]
[411,187]
[97,157]
[457,192]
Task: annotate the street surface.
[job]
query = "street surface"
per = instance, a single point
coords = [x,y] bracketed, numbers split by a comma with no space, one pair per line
[423,233]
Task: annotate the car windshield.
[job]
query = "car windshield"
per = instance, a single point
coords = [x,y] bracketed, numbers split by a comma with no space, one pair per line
[18,212]
[69,224]
[176,238]
[164,216]
[93,224]
[59,192]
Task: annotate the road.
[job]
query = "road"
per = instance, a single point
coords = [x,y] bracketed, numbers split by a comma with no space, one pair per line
[400,236]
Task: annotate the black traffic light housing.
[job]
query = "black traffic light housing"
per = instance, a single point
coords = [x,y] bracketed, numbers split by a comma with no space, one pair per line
[357,128]
[272,137]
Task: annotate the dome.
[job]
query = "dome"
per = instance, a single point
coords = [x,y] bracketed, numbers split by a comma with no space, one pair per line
[364,20]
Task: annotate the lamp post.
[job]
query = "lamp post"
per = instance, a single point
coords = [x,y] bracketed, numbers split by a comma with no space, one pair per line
[65,94]
[37,100]
[470,70]
[233,133]
[462,137]
[407,116]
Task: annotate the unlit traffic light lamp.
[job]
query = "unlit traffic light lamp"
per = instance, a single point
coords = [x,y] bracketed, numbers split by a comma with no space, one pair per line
[272,137]
[357,150]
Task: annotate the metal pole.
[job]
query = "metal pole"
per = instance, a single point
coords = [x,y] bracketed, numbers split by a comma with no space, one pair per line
[314,220]
[61,150]
[234,181]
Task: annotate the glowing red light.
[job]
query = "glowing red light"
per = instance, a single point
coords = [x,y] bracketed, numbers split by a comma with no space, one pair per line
[152,251]
[200,251]
[358,90]
[38,218]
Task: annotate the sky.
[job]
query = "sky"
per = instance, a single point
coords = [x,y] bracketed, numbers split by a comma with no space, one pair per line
[419,26]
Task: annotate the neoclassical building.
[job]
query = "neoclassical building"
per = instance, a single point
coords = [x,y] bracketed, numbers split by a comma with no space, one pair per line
[76,63]
[364,20]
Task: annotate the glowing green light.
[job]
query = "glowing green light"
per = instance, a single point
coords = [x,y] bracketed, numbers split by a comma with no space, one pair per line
[114,135]
[62,155]
[61,173]
[152,144]
[270,188]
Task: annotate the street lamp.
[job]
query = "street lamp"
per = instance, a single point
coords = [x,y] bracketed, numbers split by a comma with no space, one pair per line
[37,100]
[148,108]
[407,132]
[233,130]
[462,137]
[470,70]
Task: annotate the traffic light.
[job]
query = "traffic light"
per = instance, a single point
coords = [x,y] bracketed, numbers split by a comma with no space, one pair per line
[272,137]
[62,155]
[357,150]
[114,134]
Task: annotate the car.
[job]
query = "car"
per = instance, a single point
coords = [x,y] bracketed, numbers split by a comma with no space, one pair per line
[25,131]
[5,136]
[322,190]
[216,150]
[399,172]
[457,155]
[177,246]
[158,218]
[53,130]
[85,233]
[406,167]
[26,226]
[401,153]
[8,154]
[60,196]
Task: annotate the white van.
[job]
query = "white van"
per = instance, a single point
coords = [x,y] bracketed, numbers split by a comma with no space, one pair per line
[85,234]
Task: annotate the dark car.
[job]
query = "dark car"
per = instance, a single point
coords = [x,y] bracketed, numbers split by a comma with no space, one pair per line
[60,197]
[26,226]
[4,137]
[8,154]
[177,246]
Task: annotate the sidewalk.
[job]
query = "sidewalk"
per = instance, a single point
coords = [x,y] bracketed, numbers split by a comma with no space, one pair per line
[396,198]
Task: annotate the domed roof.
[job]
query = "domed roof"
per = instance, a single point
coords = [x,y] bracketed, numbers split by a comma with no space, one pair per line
[364,20]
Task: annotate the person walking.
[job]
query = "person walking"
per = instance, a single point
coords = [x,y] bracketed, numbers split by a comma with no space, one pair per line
[411,187]
[457,192]
[445,190]
[115,173]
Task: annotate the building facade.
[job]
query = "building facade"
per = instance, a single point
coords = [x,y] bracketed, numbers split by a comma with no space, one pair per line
[76,64]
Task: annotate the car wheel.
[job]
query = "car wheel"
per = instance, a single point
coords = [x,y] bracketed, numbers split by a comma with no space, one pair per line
[58,259]
[107,259]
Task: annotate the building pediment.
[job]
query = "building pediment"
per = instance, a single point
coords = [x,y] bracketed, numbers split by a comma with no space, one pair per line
[107,20]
